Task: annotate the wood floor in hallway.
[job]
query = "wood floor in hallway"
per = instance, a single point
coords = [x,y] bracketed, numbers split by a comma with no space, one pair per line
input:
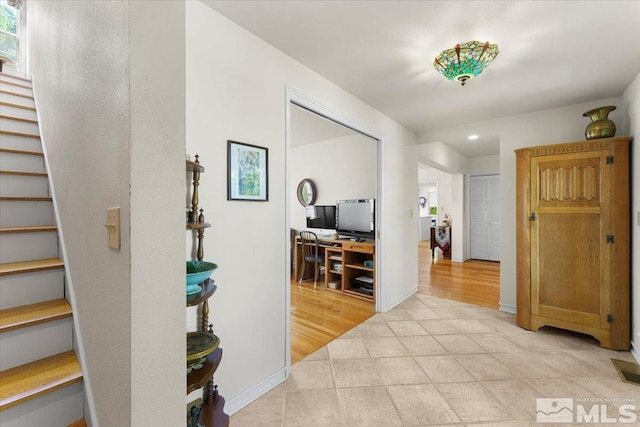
[474,282]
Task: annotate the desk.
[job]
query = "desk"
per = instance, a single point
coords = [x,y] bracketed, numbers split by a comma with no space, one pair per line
[349,266]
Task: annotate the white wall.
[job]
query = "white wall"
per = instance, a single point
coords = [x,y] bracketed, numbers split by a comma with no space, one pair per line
[342,168]
[100,147]
[631,102]
[236,90]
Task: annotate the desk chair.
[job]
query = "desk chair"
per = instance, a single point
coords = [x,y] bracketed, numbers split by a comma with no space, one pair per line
[310,254]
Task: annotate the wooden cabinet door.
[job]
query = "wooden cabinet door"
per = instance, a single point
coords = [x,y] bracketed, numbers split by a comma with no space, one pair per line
[570,258]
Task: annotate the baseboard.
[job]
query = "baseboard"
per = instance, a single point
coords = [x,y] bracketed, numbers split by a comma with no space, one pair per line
[400,299]
[246,397]
[508,308]
[635,352]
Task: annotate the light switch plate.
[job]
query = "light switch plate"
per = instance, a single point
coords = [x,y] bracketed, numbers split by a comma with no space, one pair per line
[113,227]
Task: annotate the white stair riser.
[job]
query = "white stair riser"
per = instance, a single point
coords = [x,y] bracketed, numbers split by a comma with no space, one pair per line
[8,75]
[18,112]
[31,288]
[15,142]
[14,213]
[24,186]
[59,409]
[21,162]
[16,247]
[18,126]
[4,85]
[19,100]
[36,342]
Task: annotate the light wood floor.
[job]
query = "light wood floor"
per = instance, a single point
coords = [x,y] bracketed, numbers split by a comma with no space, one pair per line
[473,282]
[318,317]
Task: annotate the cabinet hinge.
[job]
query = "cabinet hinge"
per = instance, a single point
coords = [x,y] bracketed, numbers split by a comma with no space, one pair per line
[609,160]
[610,239]
[609,318]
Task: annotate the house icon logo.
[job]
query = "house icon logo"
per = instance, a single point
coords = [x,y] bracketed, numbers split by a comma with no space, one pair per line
[554,410]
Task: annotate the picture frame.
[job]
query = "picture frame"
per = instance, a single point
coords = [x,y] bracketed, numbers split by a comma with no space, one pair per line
[247,172]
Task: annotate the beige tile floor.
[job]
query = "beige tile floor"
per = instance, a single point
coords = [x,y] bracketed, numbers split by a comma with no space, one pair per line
[432,361]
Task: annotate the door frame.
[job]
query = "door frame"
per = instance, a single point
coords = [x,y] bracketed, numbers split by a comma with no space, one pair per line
[293,97]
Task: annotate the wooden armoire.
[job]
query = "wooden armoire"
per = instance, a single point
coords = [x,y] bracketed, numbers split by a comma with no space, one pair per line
[573,238]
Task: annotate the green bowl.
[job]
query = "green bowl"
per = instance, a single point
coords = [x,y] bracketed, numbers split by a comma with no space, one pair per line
[199,271]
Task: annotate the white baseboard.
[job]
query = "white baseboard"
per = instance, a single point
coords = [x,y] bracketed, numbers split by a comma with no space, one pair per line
[400,299]
[246,397]
[508,308]
[635,352]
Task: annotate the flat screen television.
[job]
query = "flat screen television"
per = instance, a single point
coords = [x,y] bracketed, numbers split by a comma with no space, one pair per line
[322,217]
[356,217]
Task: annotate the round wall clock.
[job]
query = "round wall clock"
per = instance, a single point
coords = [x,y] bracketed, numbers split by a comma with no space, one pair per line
[307,192]
[422,201]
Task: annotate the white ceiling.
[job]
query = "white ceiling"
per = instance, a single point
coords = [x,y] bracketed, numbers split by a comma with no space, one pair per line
[552,54]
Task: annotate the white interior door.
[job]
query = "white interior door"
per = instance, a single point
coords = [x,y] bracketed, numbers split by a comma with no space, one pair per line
[485,217]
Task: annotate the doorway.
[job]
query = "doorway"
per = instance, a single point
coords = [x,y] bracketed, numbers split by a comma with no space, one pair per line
[344,136]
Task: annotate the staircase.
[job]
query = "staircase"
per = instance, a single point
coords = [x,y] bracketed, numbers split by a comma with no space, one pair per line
[40,376]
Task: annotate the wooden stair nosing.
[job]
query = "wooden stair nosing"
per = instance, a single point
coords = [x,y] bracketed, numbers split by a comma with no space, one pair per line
[33,314]
[25,199]
[28,229]
[31,380]
[26,135]
[6,92]
[79,423]
[30,266]
[25,152]
[5,82]
[18,119]
[10,104]
[20,173]
[15,77]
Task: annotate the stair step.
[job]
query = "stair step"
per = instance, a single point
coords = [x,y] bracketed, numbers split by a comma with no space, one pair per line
[24,185]
[79,423]
[26,135]
[20,95]
[25,152]
[20,173]
[37,378]
[16,247]
[19,119]
[13,76]
[17,99]
[24,107]
[7,82]
[25,199]
[29,266]
[31,288]
[28,229]
[29,315]
[25,212]
[11,141]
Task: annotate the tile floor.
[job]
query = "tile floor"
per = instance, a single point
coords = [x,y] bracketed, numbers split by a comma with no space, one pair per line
[432,361]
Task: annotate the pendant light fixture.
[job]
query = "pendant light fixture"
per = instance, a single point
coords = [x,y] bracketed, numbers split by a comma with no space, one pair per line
[465,61]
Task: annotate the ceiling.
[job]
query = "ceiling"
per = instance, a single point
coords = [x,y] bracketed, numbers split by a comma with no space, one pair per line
[308,127]
[552,54]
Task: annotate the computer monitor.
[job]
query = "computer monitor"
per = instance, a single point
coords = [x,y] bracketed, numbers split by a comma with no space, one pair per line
[356,217]
[321,217]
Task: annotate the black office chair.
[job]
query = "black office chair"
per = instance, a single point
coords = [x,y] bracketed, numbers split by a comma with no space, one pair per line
[311,254]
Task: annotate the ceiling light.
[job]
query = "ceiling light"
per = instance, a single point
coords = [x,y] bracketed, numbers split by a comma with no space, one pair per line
[472,137]
[465,61]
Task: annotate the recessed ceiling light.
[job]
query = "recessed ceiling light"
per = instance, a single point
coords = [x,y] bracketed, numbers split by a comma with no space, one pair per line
[472,137]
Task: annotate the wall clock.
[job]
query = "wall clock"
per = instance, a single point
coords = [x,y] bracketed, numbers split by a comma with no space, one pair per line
[422,201]
[307,192]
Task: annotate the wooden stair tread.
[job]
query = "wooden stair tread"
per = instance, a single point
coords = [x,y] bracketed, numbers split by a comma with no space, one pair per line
[26,135]
[27,229]
[41,174]
[6,82]
[30,266]
[24,79]
[34,379]
[26,199]
[24,107]
[33,314]
[7,92]
[79,423]
[18,119]
[25,152]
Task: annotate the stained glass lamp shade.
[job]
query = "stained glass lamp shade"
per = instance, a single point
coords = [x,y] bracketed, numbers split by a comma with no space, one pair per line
[465,61]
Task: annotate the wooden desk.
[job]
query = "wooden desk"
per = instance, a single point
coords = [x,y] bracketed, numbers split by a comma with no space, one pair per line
[345,268]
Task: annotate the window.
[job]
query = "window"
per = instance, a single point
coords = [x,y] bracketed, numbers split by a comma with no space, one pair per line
[9,33]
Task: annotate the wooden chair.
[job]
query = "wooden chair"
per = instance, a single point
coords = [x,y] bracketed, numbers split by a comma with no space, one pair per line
[311,254]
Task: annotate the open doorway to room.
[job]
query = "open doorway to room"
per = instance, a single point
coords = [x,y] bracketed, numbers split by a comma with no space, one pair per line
[332,174]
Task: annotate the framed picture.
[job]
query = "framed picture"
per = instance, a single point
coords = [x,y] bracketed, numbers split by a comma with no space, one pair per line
[247,172]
